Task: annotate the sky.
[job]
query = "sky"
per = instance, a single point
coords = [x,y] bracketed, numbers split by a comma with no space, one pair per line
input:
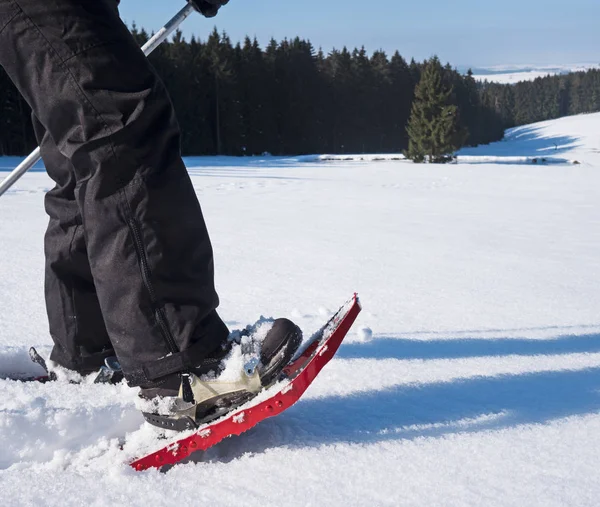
[463,32]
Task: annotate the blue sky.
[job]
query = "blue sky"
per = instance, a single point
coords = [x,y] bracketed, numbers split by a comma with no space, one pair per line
[463,32]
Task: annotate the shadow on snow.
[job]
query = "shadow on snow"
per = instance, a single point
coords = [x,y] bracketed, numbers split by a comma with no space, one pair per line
[525,142]
[409,412]
[399,348]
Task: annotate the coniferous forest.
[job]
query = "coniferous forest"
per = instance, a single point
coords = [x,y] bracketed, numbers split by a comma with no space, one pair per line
[290,98]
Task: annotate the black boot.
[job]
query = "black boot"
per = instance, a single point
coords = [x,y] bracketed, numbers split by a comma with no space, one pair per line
[185,400]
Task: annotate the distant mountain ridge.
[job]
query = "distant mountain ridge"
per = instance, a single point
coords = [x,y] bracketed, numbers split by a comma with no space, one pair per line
[509,74]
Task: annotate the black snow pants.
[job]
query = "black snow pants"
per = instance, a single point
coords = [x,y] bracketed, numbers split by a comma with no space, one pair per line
[129,264]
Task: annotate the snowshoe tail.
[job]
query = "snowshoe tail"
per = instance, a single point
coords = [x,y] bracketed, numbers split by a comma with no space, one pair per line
[111,373]
[37,359]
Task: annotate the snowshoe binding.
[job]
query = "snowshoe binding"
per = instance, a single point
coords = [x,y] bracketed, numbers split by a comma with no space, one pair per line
[186,400]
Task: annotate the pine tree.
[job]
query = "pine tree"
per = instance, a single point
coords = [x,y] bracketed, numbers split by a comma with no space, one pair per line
[432,128]
[400,101]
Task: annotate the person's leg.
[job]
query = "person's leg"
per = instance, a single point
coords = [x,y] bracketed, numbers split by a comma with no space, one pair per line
[150,256]
[74,315]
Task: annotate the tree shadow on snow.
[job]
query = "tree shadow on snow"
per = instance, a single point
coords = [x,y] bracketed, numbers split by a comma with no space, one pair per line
[408,412]
[430,410]
[525,142]
[400,348]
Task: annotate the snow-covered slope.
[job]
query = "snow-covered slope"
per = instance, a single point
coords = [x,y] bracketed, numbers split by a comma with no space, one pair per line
[511,74]
[480,383]
[569,140]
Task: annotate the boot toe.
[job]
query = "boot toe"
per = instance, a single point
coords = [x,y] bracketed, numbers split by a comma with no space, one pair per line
[279,346]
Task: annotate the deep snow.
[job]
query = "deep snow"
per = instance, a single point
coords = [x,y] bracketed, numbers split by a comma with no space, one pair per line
[472,376]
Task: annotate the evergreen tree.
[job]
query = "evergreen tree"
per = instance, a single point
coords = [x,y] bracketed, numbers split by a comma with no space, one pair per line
[399,102]
[432,127]
[290,99]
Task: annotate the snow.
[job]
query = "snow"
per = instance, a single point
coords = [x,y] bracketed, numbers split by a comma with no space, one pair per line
[569,140]
[511,74]
[365,333]
[472,376]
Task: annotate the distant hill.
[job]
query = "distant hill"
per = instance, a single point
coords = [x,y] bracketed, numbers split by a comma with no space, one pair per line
[510,74]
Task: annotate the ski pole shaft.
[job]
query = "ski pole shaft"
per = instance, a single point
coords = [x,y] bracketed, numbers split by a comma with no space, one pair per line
[147,48]
[20,170]
[166,30]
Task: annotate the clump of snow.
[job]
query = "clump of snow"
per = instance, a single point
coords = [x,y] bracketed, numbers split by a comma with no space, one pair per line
[64,374]
[232,366]
[157,405]
[364,333]
[257,332]
[250,339]
[324,312]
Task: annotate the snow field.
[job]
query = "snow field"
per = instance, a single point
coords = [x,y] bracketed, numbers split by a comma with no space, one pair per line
[515,74]
[472,376]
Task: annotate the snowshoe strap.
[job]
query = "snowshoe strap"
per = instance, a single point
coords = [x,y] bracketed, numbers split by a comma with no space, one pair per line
[211,334]
[173,363]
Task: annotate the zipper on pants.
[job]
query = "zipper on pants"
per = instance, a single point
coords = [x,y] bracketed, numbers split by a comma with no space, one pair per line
[159,313]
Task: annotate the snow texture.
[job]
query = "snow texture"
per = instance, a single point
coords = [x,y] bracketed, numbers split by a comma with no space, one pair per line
[472,376]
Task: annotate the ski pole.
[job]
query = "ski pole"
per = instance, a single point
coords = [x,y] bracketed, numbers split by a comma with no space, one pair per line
[147,48]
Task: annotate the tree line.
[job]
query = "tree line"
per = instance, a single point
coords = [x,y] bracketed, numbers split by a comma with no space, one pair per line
[545,98]
[290,98]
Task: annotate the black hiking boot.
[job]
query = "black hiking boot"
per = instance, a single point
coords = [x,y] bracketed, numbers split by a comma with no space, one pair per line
[233,374]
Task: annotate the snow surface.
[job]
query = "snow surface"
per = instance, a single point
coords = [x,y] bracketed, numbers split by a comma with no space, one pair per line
[511,74]
[472,376]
